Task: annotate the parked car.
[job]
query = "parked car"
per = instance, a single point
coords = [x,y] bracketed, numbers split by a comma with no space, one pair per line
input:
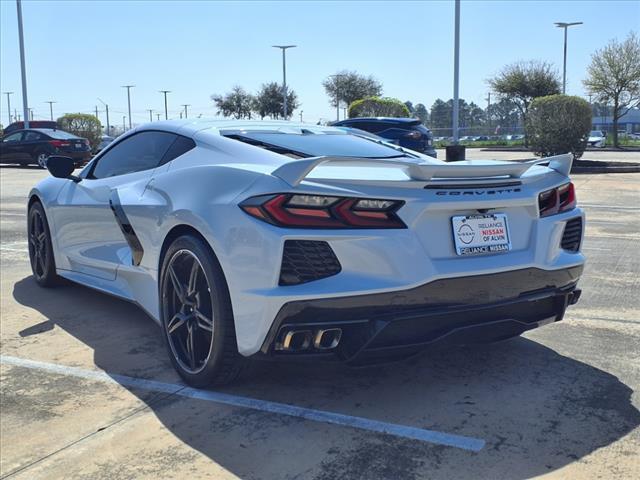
[34,146]
[104,141]
[596,139]
[15,126]
[365,134]
[406,132]
[283,240]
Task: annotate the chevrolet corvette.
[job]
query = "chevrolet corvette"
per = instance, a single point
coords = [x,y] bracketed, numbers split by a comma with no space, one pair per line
[247,239]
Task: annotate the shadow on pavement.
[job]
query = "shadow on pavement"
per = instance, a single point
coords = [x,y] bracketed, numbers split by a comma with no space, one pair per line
[537,410]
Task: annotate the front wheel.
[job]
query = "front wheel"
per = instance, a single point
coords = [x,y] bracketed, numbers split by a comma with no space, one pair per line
[41,258]
[197,320]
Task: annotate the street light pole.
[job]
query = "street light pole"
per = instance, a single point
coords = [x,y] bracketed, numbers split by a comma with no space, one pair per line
[185,105]
[8,104]
[166,112]
[337,76]
[129,87]
[301,115]
[23,69]
[284,75]
[158,116]
[564,63]
[106,107]
[456,72]
[123,124]
[150,114]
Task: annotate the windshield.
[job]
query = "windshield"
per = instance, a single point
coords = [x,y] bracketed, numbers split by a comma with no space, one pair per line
[595,133]
[300,145]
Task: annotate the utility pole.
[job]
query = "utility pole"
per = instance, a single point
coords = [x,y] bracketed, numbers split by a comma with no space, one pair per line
[23,69]
[166,113]
[107,112]
[124,127]
[284,75]
[8,105]
[158,116]
[488,105]
[129,87]
[51,102]
[185,109]
[301,115]
[564,63]
[150,114]
[97,113]
[456,72]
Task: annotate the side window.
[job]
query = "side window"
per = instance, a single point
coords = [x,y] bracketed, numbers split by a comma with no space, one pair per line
[181,146]
[14,137]
[141,151]
[32,137]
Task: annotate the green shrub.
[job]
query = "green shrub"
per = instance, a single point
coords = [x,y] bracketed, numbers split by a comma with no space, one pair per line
[558,124]
[378,107]
[83,125]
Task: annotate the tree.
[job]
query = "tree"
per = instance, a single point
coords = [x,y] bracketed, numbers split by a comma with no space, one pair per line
[504,113]
[83,125]
[521,82]
[268,102]
[237,103]
[440,114]
[422,113]
[347,87]
[410,107]
[559,124]
[614,77]
[378,107]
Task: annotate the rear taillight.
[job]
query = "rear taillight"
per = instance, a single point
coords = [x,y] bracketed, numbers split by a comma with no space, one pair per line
[557,200]
[413,135]
[319,211]
[59,143]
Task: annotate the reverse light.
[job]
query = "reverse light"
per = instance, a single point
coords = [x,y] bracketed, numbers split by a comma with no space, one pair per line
[557,200]
[319,211]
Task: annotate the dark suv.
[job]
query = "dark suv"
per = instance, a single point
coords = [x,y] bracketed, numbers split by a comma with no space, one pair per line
[35,145]
[406,132]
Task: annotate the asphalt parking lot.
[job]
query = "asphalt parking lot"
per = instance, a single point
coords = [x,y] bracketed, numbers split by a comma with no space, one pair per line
[87,389]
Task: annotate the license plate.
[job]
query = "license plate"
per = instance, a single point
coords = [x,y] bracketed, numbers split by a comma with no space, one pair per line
[478,234]
[78,145]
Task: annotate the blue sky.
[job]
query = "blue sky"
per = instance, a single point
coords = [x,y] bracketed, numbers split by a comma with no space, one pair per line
[80,50]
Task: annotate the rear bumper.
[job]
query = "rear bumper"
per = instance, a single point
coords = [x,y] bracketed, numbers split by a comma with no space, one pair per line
[461,310]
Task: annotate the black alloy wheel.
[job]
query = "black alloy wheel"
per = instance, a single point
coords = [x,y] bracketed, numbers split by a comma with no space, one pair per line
[188,307]
[196,314]
[40,249]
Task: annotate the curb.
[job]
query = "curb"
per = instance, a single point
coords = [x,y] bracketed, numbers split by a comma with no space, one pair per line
[623,169]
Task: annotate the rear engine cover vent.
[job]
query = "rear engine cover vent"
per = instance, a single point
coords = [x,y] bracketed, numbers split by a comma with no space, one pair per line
[572,235]
[307,260]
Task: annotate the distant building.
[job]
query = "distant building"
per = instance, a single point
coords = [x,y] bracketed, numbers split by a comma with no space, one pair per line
[630,122]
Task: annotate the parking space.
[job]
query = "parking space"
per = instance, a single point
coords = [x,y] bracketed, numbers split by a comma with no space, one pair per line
[87,389]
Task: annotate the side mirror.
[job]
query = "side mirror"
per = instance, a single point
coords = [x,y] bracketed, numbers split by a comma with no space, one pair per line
[62,167]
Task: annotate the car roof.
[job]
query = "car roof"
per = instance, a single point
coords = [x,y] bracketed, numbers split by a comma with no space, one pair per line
[191,127]
[398,120]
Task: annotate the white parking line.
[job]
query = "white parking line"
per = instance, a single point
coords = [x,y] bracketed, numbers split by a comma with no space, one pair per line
[430,436]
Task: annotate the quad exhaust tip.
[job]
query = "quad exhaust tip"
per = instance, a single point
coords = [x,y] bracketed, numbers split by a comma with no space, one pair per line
[300,340]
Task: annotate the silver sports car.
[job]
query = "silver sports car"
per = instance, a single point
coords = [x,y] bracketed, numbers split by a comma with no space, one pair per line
[277,239]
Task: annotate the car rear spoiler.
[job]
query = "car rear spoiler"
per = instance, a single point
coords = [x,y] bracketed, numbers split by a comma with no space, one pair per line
[296,171]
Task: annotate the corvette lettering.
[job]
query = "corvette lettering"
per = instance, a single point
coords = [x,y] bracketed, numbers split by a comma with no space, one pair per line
[479,192]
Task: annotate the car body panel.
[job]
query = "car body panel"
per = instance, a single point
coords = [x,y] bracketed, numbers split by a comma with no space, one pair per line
[202,188]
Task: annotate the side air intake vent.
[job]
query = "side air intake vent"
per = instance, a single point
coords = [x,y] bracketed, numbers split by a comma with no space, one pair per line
[307,260]
[572,235]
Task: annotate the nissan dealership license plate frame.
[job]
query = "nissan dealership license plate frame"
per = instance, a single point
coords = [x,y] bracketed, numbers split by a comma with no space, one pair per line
[481,234]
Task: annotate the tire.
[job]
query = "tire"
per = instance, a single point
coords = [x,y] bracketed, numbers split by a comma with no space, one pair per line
[41,159]
[196,315]
[43,264]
